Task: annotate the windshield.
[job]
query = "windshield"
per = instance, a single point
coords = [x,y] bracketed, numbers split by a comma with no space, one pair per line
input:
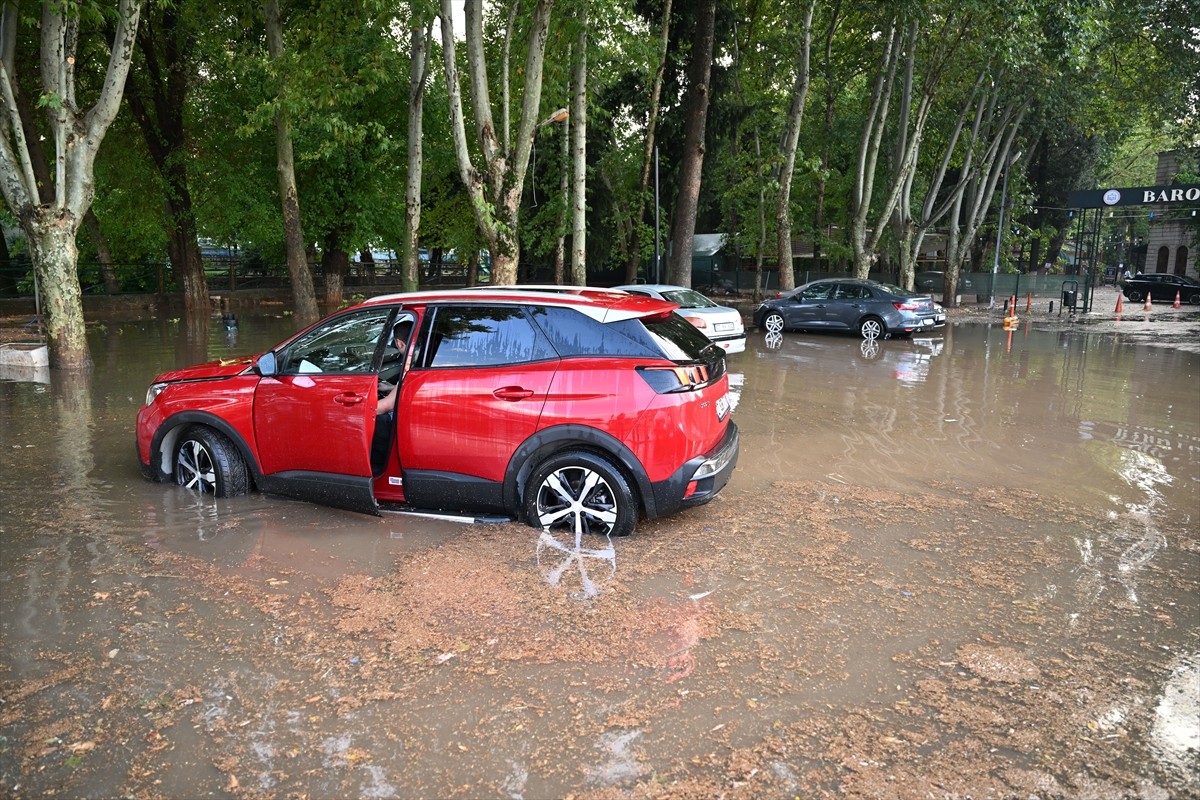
[688,298]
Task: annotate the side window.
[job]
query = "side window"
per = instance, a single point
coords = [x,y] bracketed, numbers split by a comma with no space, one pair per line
[484,336]
[819,292]
[849,291]
[346,343]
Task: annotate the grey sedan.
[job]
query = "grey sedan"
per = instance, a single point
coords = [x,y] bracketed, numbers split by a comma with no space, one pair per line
[722,324]
[871,309]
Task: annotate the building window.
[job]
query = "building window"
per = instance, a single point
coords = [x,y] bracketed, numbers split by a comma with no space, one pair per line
[1164,255]
[1181,261]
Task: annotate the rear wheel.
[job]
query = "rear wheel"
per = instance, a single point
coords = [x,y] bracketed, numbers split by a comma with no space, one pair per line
[773,323]
[580,493]
[872,328]
[1134,296]
[1194,298]
[208,463]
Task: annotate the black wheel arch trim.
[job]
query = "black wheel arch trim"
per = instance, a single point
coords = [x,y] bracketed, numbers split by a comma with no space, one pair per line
[541,445]
[185,418]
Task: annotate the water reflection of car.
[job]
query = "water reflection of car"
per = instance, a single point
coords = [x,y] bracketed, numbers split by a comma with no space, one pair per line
[722,324]
[1162,287]
[871,309]
[935,281]
[576,410]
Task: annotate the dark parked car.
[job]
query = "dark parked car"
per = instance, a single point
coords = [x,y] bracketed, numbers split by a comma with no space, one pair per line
[1163,287]
[872,309]
[575,410]
[935,281]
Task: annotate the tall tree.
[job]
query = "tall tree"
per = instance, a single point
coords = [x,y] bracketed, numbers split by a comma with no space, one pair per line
[791,138]
[683,221]
[494,187]
[579,158]
[303,296]
[77,133]
[639,203]
[419,50]
[157,93]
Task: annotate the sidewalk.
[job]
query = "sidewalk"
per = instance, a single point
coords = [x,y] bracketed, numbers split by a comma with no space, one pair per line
[1103,307]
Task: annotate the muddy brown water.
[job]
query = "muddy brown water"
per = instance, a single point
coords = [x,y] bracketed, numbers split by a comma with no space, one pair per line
[958,566]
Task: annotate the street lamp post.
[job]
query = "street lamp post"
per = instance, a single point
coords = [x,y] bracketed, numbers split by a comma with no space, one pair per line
[657,270]
[1000,227]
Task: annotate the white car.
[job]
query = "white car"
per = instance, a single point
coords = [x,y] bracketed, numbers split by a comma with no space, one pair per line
[722,324]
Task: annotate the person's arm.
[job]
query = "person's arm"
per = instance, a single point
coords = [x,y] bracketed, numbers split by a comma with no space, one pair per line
[388,401]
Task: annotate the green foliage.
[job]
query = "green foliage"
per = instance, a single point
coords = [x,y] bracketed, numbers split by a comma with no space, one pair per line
[1109,85]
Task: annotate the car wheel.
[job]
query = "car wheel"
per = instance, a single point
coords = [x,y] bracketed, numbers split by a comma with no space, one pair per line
[208,463]
[580,493]
[872,328]
[1134,296]
[773,323]
[1194,298]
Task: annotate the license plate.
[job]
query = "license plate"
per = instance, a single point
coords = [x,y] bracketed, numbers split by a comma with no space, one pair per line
[723,326]
[723,406]
[940,318]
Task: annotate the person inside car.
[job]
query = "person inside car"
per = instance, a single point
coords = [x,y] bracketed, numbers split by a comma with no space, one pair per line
[385,408]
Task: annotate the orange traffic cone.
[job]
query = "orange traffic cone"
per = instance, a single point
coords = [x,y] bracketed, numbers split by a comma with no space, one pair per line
[1118,309]
[1149,306]
[1176,304]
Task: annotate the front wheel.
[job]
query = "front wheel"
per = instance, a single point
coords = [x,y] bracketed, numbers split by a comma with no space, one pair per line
[1134,296]
[208,463]
[773,323]
[872,328]
[580,493]
[1194,298]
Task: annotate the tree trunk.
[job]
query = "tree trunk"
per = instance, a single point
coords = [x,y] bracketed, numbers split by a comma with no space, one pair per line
[52,244]
[683,222]
[564,189]
[334,260]
[791,139]
[303,296]
[578,122]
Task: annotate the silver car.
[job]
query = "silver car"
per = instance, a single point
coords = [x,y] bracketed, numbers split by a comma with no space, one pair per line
[721,324]
[871,309]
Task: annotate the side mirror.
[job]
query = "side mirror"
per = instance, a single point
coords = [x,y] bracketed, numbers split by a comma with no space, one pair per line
[266,364]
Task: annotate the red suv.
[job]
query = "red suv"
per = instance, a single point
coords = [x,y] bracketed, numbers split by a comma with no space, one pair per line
[570,408]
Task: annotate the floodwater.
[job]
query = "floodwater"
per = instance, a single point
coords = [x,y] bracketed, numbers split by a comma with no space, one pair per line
[962,565]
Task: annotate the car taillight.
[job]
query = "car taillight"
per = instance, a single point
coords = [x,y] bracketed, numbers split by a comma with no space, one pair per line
[907,306]
[697,321]
[665,380]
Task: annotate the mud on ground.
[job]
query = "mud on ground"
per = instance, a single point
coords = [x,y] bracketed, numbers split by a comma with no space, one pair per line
[703,660]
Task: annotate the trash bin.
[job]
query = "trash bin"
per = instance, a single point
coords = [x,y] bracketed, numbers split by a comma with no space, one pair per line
[1068,299]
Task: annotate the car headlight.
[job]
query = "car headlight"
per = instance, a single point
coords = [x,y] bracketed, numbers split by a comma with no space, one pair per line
[154,391]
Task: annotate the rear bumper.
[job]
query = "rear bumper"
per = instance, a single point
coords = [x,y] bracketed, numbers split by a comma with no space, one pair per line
[685,490]
[733,344]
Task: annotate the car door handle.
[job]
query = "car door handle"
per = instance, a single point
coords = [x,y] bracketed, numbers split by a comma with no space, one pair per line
[512,393]
[348,399]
